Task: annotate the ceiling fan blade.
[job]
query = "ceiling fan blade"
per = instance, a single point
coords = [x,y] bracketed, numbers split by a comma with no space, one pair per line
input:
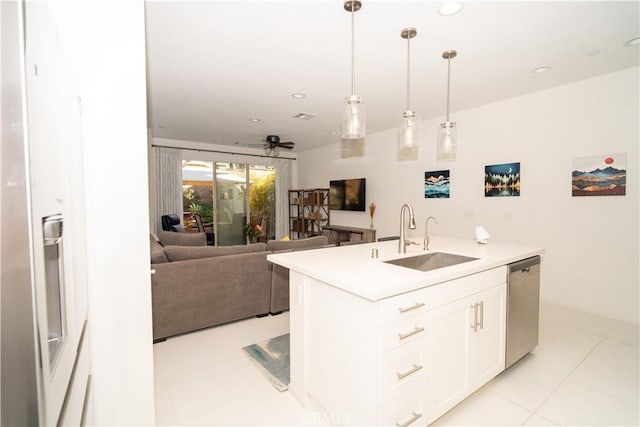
[287,144]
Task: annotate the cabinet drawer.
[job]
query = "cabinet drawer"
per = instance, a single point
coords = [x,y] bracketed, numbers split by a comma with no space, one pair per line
[406,410]
[403,306]
[463,287]
[401,369]
[405,331]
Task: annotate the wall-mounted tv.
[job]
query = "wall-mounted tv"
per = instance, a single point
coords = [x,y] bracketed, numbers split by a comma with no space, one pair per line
[347,194]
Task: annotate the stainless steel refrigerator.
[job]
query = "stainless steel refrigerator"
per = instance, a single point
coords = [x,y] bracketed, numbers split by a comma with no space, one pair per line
[41,330]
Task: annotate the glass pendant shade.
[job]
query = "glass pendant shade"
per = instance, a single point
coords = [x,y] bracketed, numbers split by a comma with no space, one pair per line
[408,130]
[353,115]
[353,118]
[410,122]
[448,132]
[447,140]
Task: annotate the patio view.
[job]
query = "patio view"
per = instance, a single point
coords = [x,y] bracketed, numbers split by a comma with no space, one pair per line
[237,202]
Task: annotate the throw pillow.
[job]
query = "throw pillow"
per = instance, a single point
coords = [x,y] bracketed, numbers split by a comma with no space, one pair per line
[157,252]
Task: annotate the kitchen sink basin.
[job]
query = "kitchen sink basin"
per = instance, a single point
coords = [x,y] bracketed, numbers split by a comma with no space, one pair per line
[432,261]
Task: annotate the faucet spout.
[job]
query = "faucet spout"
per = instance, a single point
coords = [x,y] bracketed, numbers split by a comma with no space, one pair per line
[425,243]
[402,244]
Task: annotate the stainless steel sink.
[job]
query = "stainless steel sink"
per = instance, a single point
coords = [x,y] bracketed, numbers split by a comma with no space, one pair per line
[431,261]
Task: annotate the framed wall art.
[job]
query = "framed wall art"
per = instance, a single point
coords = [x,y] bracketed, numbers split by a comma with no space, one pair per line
[502,180]
[437,185]
[603,175]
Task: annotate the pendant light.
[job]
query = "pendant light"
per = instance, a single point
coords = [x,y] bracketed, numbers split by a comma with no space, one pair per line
[353,117]
[408,130]
[448,132]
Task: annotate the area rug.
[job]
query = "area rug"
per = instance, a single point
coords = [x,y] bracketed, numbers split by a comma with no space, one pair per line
[271,357]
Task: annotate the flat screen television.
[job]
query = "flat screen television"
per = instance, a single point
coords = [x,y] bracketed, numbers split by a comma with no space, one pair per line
[347,194]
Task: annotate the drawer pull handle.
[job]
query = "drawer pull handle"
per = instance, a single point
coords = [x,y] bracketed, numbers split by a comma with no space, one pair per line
[416,330]
[413,370]
[416,416]
[413,307]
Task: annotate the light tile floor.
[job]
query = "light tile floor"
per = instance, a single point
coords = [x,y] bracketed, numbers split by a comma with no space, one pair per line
[585,371]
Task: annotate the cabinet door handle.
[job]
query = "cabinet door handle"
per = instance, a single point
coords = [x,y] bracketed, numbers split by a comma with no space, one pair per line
[415,417]
[474,325]
[413,370]
[413,307]
[416,330]
[481,314]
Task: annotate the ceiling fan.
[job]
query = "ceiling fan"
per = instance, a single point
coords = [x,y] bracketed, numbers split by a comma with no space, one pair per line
[272,144]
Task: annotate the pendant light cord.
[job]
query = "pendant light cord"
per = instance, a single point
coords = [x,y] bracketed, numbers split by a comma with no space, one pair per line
[448,84]
[353,50]
[408,73]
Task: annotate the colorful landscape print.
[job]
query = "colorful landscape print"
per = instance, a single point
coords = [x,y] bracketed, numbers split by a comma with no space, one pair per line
[604,175]
[436,185]
[502,180]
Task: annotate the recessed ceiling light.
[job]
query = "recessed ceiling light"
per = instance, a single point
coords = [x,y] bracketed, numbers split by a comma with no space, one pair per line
[254,120]
[541,69]
[333,132]
[632,42]
[298,95]
[593,52]
[450,8]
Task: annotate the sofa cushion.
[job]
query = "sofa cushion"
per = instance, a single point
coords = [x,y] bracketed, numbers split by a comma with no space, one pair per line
[310,243]
[182,239]
[181,253]
[157,251]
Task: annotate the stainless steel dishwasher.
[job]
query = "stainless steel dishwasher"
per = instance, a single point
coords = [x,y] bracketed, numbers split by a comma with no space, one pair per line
[523,305]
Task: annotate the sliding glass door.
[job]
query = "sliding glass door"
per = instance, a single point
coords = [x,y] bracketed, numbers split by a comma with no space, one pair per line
[237,199]
[262,202]
[231,203]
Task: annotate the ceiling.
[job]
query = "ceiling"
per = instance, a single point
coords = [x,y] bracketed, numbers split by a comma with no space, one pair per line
[213,65]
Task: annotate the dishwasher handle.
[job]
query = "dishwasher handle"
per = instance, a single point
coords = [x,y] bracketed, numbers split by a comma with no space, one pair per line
[524,265]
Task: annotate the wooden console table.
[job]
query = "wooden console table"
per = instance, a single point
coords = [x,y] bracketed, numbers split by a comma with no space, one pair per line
[339,233]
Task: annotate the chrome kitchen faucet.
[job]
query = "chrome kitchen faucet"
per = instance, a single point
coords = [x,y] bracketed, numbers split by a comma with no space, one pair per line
[403,243]
[425,243]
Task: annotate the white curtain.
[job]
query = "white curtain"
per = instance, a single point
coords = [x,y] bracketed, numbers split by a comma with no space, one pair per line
[283,185]
[168,183]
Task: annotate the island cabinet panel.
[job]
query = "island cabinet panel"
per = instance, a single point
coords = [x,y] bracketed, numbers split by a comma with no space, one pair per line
[401,360]
[449,355]
[488,346]
[466,347]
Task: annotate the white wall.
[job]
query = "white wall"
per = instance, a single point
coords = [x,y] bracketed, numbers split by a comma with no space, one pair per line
[105,47]
[591,263]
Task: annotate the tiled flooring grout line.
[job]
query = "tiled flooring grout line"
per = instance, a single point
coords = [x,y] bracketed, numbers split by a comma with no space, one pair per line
[535,412]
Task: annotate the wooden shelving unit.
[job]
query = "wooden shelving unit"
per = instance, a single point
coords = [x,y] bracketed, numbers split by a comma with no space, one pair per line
[308,212]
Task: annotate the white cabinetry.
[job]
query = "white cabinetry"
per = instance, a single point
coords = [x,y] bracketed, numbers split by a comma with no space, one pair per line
[466,347]
[357,361]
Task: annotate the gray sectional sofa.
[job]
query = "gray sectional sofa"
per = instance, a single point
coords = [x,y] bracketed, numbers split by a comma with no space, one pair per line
[196,286]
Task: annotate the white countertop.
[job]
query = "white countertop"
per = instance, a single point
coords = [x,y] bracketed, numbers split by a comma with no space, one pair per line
[352,269]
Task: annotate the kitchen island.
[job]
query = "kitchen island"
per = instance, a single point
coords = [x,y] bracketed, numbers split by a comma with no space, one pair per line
[380,344]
